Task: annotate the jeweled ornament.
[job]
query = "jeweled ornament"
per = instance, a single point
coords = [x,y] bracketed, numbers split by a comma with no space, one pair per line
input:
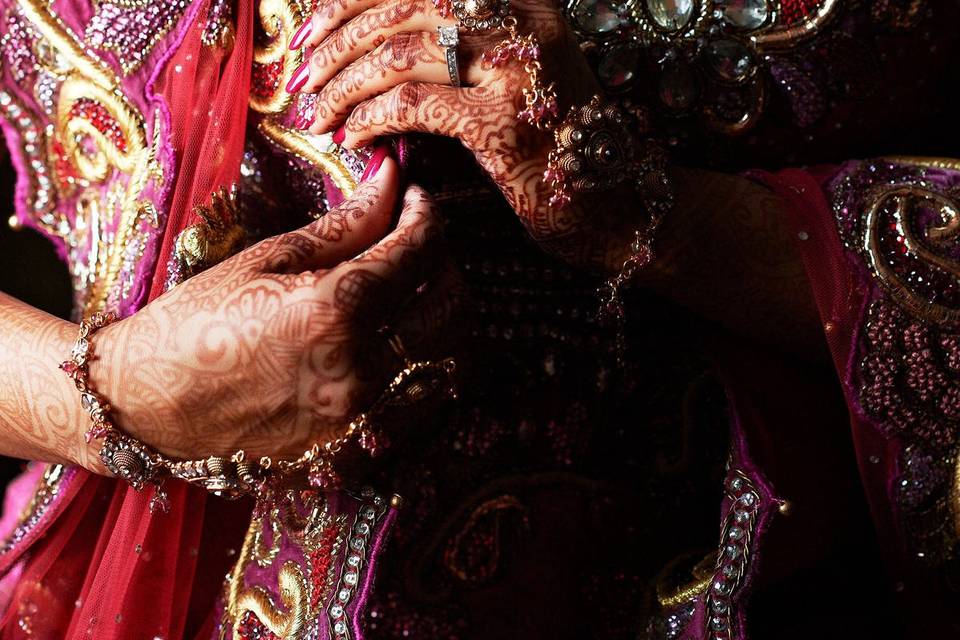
[598,16]
[730,60]
[679,87]
[670,15]
[745,14]
[618,67]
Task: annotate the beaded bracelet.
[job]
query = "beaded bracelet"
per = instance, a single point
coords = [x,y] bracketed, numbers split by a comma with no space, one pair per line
[236,475]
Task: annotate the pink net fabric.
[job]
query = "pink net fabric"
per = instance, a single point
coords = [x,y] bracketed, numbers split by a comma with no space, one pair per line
[109,567]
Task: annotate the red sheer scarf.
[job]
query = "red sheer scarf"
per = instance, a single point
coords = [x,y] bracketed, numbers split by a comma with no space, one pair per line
[109,567]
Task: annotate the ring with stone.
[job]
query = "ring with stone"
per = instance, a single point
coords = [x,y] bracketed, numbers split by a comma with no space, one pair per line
[448,37]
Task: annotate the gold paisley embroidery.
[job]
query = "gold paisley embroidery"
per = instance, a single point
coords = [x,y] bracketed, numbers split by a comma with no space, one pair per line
[483,530]
[293,592]
[901,204]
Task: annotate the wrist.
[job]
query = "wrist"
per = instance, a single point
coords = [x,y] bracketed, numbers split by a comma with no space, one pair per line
[77,451]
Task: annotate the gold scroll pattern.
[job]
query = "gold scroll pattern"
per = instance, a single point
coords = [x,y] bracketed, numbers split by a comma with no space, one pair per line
[104,161]
[278,21]
[901,204]
[316,583]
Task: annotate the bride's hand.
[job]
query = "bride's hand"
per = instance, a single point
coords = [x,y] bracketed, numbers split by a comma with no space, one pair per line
[278,347]
[377,69]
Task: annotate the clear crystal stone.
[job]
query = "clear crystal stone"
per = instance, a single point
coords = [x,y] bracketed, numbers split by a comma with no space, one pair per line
[350,578]
[745,14]
[618,67]
[679,88]
[730,60]
[597,16]
[670,14]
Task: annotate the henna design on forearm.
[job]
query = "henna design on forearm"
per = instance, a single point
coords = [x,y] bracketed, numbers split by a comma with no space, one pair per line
[39,407]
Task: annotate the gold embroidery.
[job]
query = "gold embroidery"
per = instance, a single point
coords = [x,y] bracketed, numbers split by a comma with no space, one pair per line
[674,589]
[785,37]
[99,144]
[491,513]
[279,19]
[926,162]
[905,201]
[66,43]
[283,519]
[293,591]
[215,238]
[76,130]
[307,148]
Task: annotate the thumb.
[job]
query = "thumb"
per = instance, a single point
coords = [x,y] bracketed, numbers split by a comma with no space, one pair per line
[347,230]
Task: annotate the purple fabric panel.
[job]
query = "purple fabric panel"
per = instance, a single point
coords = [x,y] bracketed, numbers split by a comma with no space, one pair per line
[376,549]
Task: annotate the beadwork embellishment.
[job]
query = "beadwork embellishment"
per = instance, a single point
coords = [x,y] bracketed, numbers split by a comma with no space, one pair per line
[706,57]
[214,238]
[325,547]
[130,28]
[734,554]
[46,492]
[900,218]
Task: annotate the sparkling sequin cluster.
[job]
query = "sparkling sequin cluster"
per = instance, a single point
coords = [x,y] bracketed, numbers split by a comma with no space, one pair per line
[734,554]
[130,30]
[18,45]
[250,628]
[46,493]
[98,115]
[266,78]
[218,29]
[41,195]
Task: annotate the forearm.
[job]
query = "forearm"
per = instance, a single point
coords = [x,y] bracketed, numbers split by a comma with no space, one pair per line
[40,410]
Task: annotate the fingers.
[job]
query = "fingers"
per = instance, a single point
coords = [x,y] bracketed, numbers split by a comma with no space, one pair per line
[344,232]
[472,114]
[404,57]
[361,35]
[328,15]
[393,268]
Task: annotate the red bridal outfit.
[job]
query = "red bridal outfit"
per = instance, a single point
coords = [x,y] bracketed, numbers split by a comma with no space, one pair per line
[708,488]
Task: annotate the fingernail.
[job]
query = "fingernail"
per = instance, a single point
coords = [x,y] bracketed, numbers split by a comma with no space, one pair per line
[339,135]
[299,78]
[302,34]
[373,165]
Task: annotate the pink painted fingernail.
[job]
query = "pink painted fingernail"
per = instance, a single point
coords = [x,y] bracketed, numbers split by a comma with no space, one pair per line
[339,135]
[375,162]
[302,34]
[300,77]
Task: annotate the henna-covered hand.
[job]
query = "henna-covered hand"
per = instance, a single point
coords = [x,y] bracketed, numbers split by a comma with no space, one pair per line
[377,70]
[278,347]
